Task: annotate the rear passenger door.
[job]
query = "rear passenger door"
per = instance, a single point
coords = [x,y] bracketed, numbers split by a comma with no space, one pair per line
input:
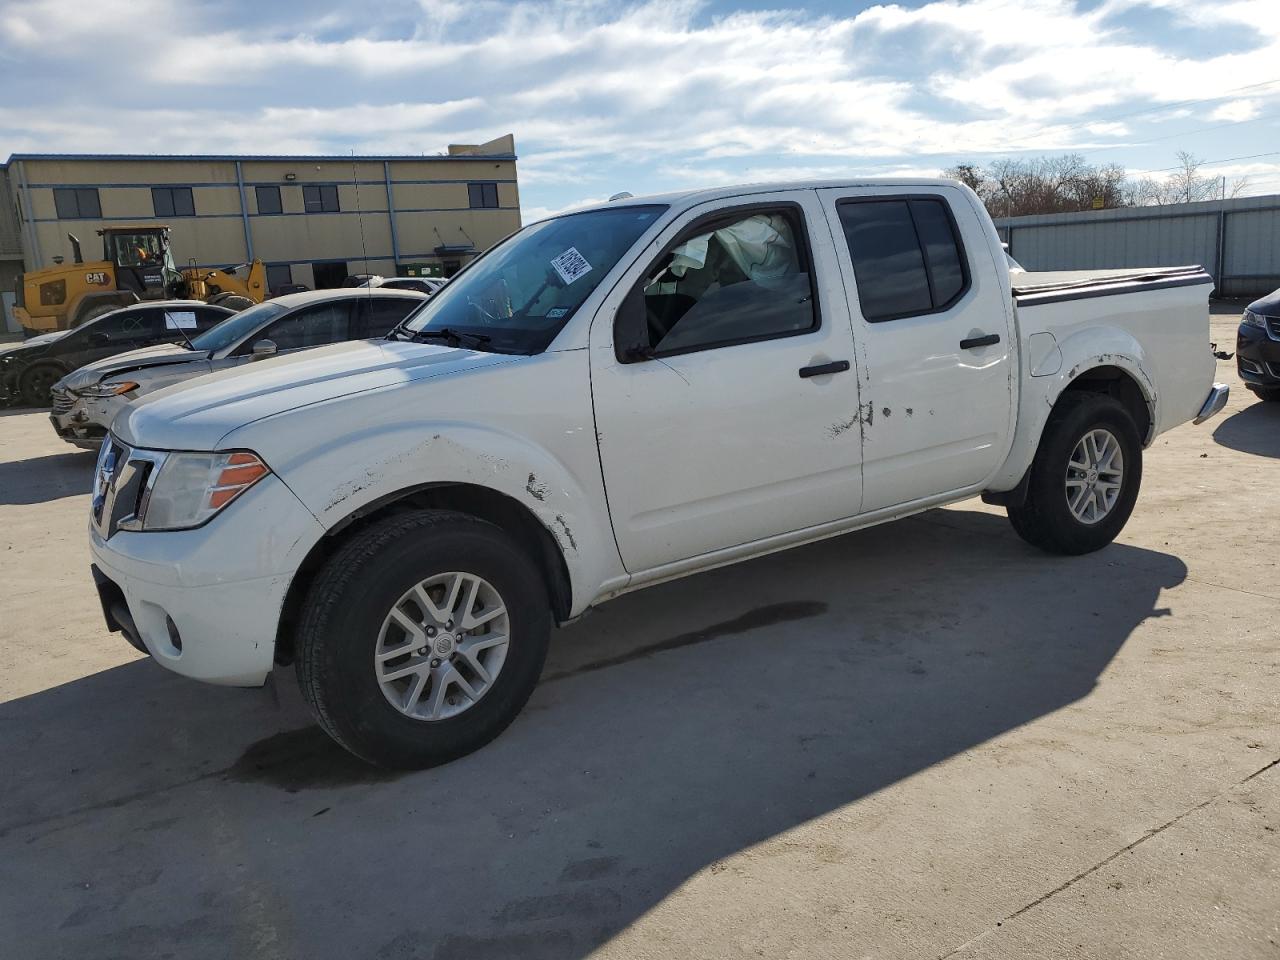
[380,315]
[934,325]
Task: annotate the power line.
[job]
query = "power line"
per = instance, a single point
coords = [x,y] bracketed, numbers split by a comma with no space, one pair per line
[1207,163]
[1157,109]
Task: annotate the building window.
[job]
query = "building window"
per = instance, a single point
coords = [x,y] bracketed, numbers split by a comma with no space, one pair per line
[173,202]
[320,198]
[77,203]
[483,194]
[278,274]
[268,199]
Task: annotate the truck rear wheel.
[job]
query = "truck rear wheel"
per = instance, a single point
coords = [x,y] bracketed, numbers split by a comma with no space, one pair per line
[422,638]
[1085,476]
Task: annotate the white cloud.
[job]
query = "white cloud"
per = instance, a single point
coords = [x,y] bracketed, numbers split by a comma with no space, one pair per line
[602,93]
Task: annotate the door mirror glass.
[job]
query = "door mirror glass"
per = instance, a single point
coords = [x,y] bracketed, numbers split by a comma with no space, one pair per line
[263,349]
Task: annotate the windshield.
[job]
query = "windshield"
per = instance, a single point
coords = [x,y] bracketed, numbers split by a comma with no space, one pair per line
[519,294]
[236,326]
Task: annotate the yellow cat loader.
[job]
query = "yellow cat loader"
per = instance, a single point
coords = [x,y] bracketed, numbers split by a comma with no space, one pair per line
[136,264]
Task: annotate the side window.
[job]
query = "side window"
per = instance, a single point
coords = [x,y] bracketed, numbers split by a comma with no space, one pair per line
[320,198]
[130,325]
[173,202]
[738,279]
[77,203]
[907,256]
[380,315]
[268,199]
[311,327]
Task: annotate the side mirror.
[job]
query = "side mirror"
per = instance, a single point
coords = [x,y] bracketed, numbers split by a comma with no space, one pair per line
[99,338]
[263,349]
[630,331]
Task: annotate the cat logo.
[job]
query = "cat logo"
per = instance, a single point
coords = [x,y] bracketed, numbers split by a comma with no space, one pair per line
[97,276]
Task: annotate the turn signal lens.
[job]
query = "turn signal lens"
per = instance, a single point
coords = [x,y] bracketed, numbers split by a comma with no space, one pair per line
[242,471]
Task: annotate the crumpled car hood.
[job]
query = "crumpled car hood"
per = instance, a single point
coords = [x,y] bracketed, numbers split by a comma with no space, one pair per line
[197,414]
[164,353]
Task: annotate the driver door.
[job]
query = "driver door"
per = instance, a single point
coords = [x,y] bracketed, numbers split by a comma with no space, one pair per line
[735,420]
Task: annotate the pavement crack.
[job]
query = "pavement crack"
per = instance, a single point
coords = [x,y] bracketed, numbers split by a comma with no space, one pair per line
[1089,871]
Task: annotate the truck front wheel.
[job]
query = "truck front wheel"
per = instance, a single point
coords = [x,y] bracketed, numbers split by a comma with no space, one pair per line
[1085,477]
[422,638]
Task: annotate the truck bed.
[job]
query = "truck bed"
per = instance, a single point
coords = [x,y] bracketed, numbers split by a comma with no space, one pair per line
[1032,289]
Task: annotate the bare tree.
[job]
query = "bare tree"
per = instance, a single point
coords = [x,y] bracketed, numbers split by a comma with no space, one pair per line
[1185,185]
[1016,187]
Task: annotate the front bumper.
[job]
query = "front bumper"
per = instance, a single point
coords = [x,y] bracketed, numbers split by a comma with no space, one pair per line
[81,421]
[1257,356]
[206,603]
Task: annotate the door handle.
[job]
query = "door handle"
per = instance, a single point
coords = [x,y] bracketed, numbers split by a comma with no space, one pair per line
[986,341]
[835,366]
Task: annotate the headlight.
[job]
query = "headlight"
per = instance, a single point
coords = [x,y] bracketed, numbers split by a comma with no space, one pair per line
[102,390]
[192,488]
[1251,319]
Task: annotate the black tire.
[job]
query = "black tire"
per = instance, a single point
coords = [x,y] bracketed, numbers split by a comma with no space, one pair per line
[232,301]
[1045,519]
[1269,394]
[93,313]
[35,382]
[343,613]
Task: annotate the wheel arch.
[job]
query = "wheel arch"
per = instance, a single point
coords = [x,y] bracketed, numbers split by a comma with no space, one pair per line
[485,503]
[1115,381]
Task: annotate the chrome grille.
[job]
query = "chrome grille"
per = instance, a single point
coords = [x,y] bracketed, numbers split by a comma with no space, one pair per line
[121,484]
[62,401]
[1273,327]
[1274,369]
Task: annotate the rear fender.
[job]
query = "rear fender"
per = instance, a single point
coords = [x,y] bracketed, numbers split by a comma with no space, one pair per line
[1081,352]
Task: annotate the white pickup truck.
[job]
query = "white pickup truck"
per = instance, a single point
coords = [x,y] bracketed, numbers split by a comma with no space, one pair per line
[615,397]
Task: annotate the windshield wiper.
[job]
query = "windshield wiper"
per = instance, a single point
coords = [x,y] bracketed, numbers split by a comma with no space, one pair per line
[455,338]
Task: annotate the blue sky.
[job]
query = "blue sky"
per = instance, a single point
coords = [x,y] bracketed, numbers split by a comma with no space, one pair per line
[606,96]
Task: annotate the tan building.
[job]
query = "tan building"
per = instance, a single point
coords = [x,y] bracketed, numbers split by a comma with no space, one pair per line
[312,220]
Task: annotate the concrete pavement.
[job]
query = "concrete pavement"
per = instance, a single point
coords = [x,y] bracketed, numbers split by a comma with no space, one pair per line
[921,740]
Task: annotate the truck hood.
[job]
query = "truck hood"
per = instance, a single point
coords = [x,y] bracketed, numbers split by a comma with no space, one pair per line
[198,414]
[159,355]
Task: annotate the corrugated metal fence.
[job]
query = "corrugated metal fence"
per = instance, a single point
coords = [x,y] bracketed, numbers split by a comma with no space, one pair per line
[1237,241]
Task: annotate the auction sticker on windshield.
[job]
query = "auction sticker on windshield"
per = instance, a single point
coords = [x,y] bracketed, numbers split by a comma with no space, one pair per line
[571,265]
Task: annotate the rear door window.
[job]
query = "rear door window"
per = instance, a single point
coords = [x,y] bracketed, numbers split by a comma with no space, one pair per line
[907,256]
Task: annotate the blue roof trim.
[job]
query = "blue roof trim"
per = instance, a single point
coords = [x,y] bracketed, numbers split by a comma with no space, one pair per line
[249,157]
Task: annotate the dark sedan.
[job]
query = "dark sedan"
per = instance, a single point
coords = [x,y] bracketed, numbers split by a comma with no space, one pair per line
[29,369]
[1258,347]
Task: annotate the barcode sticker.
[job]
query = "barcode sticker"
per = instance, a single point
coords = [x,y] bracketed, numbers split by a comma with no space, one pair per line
[571,265]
